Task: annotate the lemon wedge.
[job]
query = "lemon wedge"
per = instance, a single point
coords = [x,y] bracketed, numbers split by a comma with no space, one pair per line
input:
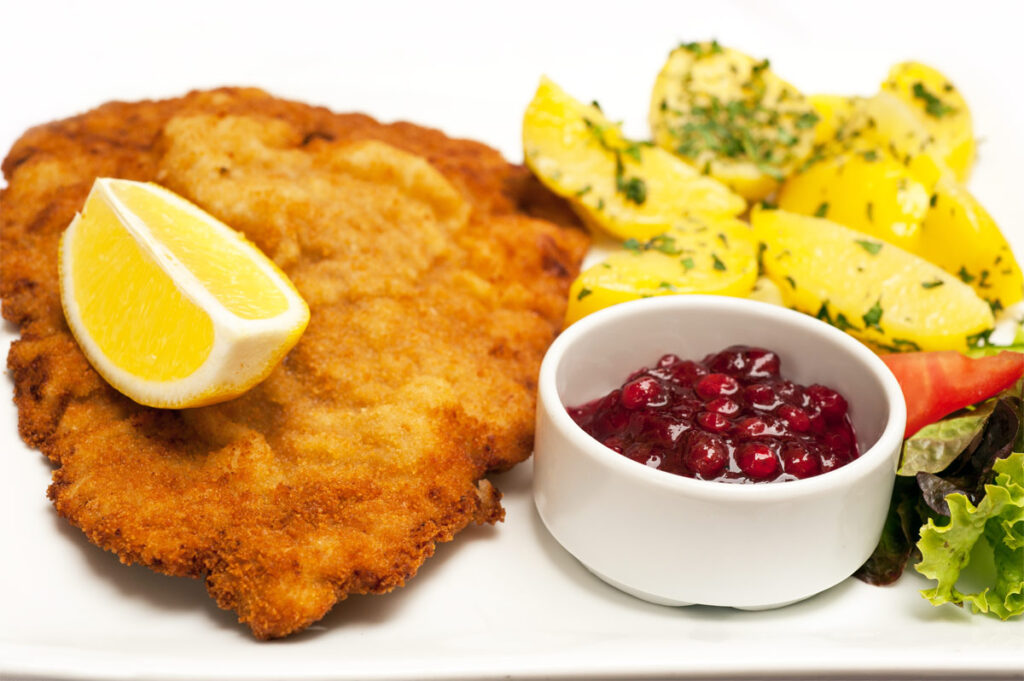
[171,306]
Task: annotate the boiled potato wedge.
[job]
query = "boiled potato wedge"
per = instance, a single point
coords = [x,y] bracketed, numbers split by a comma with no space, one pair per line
[728,115]
[872,124]
[874,193]
[717,256]
[629,189]
[834,112]
[869,191]
[880,294]
[941,109]
[961,237]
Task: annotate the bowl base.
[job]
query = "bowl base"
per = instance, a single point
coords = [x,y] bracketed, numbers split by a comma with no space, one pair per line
[662,600]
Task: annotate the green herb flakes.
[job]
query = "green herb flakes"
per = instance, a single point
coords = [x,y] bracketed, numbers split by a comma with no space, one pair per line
[872,247]
[873,317]
[933,106]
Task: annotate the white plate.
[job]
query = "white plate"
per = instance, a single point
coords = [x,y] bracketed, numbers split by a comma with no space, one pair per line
[505,601]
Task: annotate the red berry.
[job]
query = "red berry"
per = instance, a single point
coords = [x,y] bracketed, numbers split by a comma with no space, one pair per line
[645,391]
[687,373]
[833,406]
[714,422]
[751,427]
[761,396]
[796,417]
[668,361]
[799,462]
[706,455]
[717,385]
[745,362]
[757,460]
[723,406]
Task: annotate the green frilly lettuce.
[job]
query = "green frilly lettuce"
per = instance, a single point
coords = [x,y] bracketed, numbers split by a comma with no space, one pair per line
[997,519]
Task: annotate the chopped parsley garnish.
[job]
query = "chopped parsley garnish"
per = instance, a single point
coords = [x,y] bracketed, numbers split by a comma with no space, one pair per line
[631,244]
[806,120]
[687,264]
[823,313]
[663,243]
[699,50]
[933,106]
[633,189]
[584,292]
[906,344]
[873,317]
[872,247]
[932,284]
[718,264]
[822,210]
[965,276]
[979,340]
[933,200]
[753,127]
[843,324]
[870,155]
[871,211]
[996,305]
[582,191]
[792,282]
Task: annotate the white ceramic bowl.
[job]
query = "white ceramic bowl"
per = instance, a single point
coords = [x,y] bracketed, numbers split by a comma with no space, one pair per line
[676,540]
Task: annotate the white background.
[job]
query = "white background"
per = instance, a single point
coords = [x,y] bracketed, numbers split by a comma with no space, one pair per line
[503,601]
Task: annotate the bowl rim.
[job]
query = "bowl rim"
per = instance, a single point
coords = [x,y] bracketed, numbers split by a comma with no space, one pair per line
[879,454]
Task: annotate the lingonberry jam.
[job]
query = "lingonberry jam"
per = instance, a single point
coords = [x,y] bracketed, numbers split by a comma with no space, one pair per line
[730,417]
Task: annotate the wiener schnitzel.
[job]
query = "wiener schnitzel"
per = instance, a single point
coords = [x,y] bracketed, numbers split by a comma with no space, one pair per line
[436,274]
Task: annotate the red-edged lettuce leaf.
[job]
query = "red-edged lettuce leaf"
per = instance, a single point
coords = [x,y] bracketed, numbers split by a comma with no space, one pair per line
[953,456]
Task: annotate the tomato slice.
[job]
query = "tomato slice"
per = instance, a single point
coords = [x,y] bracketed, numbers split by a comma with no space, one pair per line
[938,383]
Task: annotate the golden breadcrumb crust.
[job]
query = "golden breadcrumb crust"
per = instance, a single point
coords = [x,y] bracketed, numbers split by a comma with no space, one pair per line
[436,274]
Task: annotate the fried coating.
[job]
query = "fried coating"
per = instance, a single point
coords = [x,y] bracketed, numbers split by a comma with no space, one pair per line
[436,274]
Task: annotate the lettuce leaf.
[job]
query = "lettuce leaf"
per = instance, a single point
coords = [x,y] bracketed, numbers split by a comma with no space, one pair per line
[997,519]
[933,448]
[899,534]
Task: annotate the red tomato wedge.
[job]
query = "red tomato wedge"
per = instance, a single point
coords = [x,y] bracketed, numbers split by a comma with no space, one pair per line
[938,383]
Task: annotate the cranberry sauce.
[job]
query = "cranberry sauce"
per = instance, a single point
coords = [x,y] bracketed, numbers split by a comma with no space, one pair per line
[730,417]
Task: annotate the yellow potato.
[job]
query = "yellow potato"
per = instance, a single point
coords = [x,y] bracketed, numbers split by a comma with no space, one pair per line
[629,189]
[961,237]
[872,192]
[716,256]
[882,122]
[730,116]
[941,109]
[879,293]
[869,191]
[834,111]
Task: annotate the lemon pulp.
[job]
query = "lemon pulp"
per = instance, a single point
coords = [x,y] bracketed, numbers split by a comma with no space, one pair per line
[177,336]
[218,263]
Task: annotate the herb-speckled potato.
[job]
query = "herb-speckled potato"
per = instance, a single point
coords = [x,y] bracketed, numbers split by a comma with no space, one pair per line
[881,294]
[629,189]
[941,109]
[872,192]
[731,117]
[710,256]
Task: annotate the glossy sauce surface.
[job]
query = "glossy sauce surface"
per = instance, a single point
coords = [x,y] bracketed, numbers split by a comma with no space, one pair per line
[730,417]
